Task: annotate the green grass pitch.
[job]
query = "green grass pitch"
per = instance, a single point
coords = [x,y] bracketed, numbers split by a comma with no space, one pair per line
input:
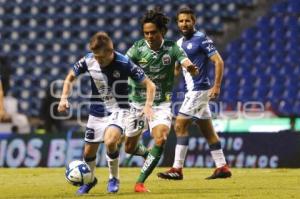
[49,183]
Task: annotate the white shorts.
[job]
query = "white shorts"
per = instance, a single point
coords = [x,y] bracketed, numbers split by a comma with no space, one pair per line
[195,105]
[136,124]
[96,126]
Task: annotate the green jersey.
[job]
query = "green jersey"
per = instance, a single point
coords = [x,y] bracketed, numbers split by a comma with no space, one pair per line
[158,65]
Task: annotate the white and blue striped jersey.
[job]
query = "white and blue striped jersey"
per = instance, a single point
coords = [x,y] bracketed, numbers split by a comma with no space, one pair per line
[198,49]
[109,84]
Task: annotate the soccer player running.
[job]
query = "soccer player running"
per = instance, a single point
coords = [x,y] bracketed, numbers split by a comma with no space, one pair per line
[157,57]
[200,49]
[109,71]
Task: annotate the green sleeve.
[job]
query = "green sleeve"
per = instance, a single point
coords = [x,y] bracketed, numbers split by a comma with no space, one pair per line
[132,53]
[179,53]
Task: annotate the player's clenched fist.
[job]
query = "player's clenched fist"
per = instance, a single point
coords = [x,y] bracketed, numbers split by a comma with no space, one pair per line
[63,105]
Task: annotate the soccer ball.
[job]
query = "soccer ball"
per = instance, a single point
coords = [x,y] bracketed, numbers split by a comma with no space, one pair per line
[78,173]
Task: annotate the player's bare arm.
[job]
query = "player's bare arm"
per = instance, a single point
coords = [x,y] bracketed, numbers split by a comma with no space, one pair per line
[219,67]
[68,83]
[3,114]
[177,69]
[150,95]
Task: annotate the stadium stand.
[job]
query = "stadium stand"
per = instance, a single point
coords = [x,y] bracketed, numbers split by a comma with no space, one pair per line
[264,61]
[43,38]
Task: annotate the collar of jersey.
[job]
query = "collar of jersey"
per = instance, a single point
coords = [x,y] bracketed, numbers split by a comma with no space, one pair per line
[162,43]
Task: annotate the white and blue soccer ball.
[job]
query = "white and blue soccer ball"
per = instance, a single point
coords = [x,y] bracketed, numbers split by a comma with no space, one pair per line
[78,173]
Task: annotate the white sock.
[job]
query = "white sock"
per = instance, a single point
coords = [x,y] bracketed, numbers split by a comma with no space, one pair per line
[113,167]
[92,165]
[180,153]
[218,157]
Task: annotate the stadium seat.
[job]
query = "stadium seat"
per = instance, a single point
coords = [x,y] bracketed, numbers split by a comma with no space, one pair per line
[35,44]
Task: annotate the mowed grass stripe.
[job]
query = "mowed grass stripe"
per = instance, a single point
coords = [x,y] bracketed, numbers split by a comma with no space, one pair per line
[50,183]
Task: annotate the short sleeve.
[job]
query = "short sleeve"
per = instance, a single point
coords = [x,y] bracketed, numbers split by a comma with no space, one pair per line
[80,67]
[208,46]
[132,53]
[179,53]
[135,72]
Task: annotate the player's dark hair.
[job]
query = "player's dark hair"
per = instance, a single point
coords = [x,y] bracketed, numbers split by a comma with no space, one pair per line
[156,17]
[100,41]
[186,10]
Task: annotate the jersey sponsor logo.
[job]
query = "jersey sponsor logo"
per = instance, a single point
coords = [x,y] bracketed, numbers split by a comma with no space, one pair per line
[143,61]
[79,64]
[116,74]
[166,59]
[189,46]
[154,69]
[208,41]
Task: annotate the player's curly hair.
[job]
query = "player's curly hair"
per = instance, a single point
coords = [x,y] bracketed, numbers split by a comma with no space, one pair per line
[156,17]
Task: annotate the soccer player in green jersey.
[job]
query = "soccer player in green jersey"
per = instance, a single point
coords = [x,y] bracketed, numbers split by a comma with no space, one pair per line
[157,57]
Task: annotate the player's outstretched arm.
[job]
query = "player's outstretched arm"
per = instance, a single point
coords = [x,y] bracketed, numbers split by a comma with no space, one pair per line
[68,83]
[190,67]
[150,89]
[219,68]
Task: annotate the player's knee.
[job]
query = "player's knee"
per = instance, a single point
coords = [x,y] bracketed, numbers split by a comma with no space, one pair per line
[160,141]
[179,129]
[111,142]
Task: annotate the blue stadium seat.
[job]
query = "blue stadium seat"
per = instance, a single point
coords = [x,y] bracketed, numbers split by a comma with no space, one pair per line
[293,7]
[35,44]
[280,7]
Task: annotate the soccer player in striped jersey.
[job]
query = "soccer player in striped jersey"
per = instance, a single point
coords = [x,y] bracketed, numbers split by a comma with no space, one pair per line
[157,57]
[109,72]
[200,49]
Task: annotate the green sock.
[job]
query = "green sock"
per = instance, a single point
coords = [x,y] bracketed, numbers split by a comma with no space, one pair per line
[141,150]
[150,163]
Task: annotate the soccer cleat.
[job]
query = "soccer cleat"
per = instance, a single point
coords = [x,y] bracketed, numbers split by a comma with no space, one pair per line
[113,185]
[84,189]
[171,174]
[140,187]
[222,172]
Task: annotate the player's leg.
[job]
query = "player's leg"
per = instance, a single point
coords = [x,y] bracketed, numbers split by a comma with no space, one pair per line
[134,147]
[93,137]
[112,137]
[159,134]
[216,151]
[183,120]
[160,127]
[89,155]
[134,127]
[181,125]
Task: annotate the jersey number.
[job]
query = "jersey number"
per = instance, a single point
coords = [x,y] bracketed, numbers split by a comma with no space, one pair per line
[139,124]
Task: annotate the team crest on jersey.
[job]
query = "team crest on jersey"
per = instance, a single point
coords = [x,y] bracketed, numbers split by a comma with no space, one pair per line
[189,46]
[166,59]
[116,74]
